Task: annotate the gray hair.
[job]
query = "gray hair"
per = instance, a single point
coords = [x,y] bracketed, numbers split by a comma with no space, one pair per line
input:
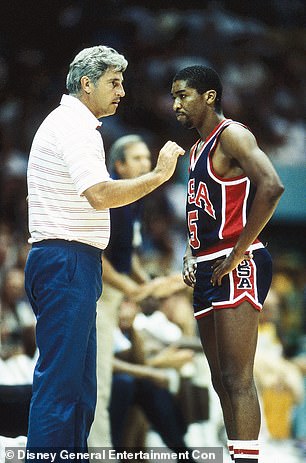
[93,62]
[117,150]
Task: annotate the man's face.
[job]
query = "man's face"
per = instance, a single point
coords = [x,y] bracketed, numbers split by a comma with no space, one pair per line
[105,96]
[188,104]
[137,161]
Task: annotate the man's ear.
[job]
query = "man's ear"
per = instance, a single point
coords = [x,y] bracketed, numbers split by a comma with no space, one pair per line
[210,96]
[86,84]
[119,165]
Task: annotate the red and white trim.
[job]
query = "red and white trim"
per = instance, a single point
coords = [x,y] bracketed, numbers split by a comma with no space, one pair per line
[232,304]
[246,451]
[203,312]
[194,156]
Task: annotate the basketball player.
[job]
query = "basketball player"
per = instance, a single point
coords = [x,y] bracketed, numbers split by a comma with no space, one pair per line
[233,190]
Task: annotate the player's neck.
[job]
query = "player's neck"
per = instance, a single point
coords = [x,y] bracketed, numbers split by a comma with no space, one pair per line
[209,124]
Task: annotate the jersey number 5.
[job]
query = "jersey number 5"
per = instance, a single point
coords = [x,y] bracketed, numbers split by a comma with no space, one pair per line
[193,229]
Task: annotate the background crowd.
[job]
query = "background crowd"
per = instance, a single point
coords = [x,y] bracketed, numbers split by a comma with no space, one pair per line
[259,49]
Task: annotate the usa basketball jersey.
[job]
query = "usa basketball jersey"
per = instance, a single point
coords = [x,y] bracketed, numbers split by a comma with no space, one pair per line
[216,207]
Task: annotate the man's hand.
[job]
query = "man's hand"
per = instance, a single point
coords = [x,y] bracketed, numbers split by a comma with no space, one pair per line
[224,266]
[171,357]
[159,287]
[167,159]
[189,270]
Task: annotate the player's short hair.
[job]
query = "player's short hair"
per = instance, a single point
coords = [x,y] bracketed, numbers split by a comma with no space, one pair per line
[117,150]
[93,62]
[202,78]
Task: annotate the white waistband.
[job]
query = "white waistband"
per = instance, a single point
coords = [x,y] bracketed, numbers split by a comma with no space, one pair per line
[226,252]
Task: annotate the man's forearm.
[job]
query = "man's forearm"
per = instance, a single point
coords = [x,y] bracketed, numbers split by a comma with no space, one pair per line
[116,279]
[118,193]
[262,209]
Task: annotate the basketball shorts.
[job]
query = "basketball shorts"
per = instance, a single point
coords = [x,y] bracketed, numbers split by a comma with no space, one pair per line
[250,281]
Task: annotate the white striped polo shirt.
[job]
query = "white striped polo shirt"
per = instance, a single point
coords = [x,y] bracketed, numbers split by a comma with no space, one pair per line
[67,157]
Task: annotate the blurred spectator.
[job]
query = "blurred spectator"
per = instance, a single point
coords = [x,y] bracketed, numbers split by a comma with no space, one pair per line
[123,273]
[279,380]
[17,319]
[135,383]
[289,283]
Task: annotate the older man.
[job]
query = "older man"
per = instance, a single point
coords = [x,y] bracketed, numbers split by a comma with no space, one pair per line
[70,193]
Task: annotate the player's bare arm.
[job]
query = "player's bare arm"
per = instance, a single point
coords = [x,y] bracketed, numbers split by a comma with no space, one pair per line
[121,192]
[239,144]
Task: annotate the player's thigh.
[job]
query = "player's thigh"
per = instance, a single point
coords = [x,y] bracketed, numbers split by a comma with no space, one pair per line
[236,337]
[206,328]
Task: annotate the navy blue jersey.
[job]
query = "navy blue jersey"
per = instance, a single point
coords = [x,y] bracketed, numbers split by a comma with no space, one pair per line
[216,207]
[120,247]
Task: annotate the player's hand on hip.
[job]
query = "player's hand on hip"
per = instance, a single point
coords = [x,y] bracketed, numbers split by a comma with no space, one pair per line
[224,266]
[167,159]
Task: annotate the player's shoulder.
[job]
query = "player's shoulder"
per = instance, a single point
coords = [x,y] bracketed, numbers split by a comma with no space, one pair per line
[234,128]
[236,132]
[237,139]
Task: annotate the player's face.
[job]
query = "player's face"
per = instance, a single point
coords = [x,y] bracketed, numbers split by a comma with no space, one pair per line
[104,97]
[188,104]
[137,161]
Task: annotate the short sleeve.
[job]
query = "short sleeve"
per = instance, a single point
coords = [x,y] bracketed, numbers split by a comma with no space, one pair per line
[83,152]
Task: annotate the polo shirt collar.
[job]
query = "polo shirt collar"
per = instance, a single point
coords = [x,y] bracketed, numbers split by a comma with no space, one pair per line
[75,104]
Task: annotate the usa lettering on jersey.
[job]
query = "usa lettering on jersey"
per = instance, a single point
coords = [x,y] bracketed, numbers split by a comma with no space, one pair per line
[201,197]
[216,208]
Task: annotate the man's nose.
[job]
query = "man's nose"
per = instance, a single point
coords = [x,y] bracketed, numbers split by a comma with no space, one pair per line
[176,104]
[121,91]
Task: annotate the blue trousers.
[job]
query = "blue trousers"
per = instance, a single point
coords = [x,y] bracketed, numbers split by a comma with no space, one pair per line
[63,281]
